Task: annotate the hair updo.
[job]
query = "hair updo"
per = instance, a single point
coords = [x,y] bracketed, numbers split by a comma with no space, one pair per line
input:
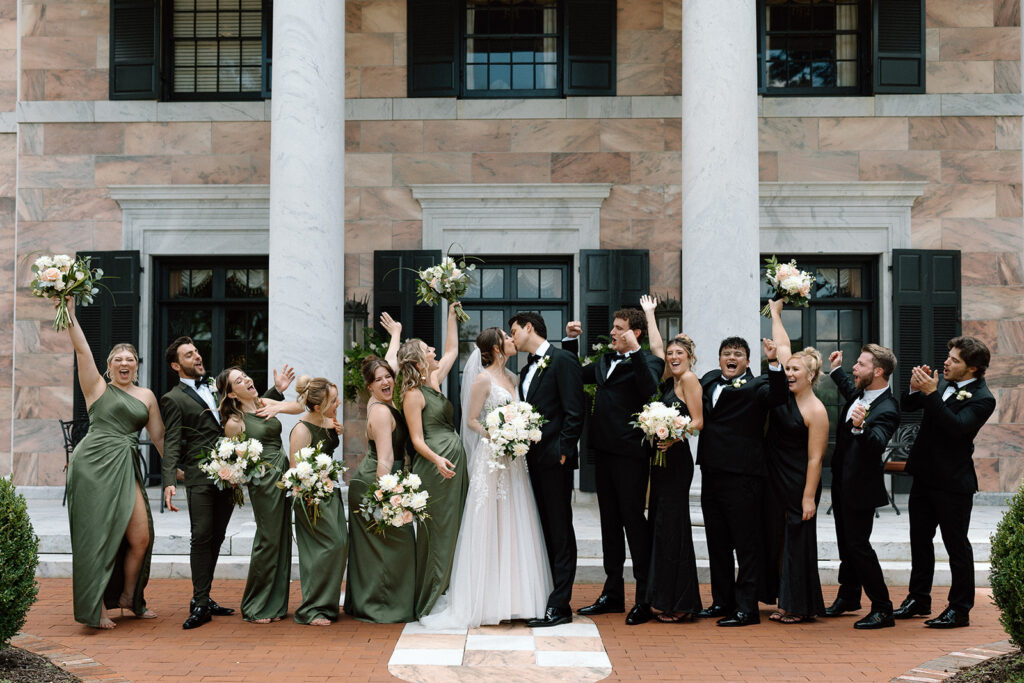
[812,361]
[684,342]
[369,368]
[486,341]
[313,392]
[412,364]
[118,348]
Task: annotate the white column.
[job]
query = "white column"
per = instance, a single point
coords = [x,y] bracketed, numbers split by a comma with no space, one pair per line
[720,184]
[307,187]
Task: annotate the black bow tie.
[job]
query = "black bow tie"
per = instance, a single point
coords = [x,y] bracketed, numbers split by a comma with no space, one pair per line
[724,380]
[533,358]
[621,356]
[199,382]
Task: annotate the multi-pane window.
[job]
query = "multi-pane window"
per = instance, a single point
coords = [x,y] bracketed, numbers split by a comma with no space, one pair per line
[217,47]
[511,46]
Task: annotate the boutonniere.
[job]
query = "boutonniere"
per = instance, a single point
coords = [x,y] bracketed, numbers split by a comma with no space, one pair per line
[963,395]
[212,383]
[542,364]
[738,382]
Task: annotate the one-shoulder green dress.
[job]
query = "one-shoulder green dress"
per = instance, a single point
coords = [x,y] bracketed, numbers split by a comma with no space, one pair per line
[436,537]
[381,584]
[104,477]
[270,563]
[323,547]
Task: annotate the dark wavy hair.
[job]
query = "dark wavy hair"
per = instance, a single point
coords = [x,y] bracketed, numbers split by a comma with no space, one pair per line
[973,352]
[228,406]
[486,341]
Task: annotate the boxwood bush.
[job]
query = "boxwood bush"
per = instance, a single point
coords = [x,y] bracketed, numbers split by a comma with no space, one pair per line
[19,557]
[1007,573]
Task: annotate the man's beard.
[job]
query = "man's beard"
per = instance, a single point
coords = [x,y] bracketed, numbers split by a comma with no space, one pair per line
[191,372]
[862,383]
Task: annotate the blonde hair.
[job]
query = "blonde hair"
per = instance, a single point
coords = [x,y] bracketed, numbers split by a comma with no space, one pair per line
[812,361]
[686,344]
[313,392]
[117,349]
[411,358]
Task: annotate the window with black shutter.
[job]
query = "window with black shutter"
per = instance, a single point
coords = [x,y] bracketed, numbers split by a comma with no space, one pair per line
[134,54]
[394,292]
[899,46]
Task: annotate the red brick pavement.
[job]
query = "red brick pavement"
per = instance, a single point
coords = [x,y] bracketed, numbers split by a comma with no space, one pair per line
[231,650]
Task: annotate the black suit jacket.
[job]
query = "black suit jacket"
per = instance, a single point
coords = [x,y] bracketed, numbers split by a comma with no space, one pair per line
[942,457]
[732,439]
[189,429]
[556,392]
[619,398]
[857,466]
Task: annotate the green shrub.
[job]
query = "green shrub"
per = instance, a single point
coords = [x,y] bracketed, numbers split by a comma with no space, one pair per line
[1007,574]
[19,557]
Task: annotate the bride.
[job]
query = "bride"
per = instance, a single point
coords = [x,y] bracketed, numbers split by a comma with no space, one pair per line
[501,568]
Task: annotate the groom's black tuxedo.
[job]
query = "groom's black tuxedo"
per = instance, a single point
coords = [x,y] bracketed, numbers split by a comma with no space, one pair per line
[189,429]
[556,392]
[622,463]
[945,481]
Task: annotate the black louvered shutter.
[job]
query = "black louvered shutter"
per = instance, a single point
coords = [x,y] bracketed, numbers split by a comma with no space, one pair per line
[610,279]
[268,45]
[134,49]
[759,9]
[433,47]
[926,310]
[898,42]
[394,291]
[589,47]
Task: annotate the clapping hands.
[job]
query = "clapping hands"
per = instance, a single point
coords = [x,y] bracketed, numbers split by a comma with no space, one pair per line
[923,379]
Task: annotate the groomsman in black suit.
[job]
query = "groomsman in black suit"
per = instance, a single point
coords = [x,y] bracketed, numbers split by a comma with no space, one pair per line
[550,381]
[625,382]
[868,420]
[736,405]
[941,460]
[192,425]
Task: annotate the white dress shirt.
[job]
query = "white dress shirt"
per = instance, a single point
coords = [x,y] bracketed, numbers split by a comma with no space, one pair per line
[615,362]
[532,371]
[950,390]
[205,393]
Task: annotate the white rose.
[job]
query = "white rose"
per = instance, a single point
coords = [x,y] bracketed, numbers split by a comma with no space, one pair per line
[255,447]
[413,481]
[388,482]
[520,449]
[304,469]
[324,460]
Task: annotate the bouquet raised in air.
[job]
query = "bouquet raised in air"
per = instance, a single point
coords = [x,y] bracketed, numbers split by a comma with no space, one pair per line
[446,281]
[315,477]
[394,501]
[60,276]
[511,429]
[791,284]
[659,423]
[233,462]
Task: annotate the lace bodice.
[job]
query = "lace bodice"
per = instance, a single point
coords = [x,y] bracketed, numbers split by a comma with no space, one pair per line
[497,397]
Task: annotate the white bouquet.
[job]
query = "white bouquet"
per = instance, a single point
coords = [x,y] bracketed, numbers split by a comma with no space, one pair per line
[394,501]
[791,284]
[446,281]
[59,276]
[233,462]
[511,429]
[314,478]
[661,423]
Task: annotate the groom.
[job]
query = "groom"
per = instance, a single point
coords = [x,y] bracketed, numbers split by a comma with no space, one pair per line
[552,382]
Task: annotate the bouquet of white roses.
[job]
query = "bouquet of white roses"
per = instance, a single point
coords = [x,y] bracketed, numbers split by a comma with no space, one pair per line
[235,461]
[59,276]
[448,281]
[659,423]
[791,284]
[314,478]
[511,429]
[394,501]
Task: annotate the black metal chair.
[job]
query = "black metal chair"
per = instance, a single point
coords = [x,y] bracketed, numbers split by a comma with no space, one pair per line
[73,431]
[894,461]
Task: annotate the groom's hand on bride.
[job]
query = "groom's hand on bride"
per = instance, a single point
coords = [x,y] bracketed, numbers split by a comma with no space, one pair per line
[573,329]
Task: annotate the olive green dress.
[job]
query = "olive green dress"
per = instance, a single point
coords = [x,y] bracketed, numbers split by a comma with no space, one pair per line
[270,564]
[381,584]
[323,547]
[104,477]
[436,537]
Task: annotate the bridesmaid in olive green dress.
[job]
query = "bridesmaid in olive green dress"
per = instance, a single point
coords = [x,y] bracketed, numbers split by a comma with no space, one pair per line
[323,547]
[112,542]
[266,587]
[440,460]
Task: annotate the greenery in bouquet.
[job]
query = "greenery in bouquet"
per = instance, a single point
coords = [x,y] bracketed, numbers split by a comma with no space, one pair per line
[446,281]
[233,462]
[662,423]
[60,276]
[788,283]
[511,429]
[314,478]
[394,501]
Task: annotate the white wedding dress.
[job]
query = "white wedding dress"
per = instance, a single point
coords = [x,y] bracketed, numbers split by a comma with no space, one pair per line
[501,570]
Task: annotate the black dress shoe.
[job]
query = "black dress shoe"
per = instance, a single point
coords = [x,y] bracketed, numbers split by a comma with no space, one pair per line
[552,617]
[215,609]
[640,614]
[741,619]
[912,607]
[198,617]
[841,605]
[950,618]
[714,611]
[603,605]
[877,619]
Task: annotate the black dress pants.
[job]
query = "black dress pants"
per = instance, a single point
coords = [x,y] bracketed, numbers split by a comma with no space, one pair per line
[209,511]
[858,563]
[951,513]
[621,484]
[552,489]
[732,506]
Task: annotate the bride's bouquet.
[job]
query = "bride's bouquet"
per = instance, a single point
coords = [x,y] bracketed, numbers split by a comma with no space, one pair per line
[314,479]
[394,502]
[511,429]
[60,276]
[791,284]
[446,281]
[233,462]
[660,423]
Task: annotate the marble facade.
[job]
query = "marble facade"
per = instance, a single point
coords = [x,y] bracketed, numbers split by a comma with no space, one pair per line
[67,155]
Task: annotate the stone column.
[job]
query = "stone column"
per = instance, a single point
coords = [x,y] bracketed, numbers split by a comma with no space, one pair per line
[720,183]
[307,188]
